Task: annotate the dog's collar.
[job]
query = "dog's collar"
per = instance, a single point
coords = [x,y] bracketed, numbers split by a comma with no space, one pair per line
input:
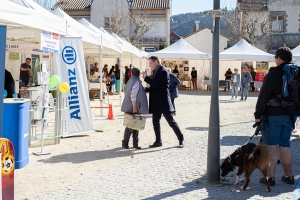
[230,162]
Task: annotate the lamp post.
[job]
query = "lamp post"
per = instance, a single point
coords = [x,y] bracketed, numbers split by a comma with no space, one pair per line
[213,150]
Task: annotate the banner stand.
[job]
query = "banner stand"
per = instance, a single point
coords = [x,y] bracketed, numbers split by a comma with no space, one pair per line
[45,106]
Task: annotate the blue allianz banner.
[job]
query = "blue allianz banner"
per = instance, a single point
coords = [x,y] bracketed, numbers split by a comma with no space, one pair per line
[2,69]
[70,67]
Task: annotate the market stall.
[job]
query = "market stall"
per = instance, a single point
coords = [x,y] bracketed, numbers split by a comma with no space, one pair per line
[244,54]
[181,54]
[296,54]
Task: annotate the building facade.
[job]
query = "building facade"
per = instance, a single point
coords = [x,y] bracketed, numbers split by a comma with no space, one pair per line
[283,18]
[201,40]
[119,13]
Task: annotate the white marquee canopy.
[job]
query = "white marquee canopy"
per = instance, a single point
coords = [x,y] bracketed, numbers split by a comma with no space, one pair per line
[26,21]
[180,50]
[244,51]
[296,53]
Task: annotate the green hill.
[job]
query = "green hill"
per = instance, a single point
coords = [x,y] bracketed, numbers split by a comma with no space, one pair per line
[183,24]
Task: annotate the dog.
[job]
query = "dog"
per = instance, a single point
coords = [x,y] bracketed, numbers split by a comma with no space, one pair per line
[237,159]
[260,159]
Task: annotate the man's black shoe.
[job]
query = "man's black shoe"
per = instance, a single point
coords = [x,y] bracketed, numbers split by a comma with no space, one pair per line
[137,147]
[181,144]
[125,147]
[155,144]
[241,99]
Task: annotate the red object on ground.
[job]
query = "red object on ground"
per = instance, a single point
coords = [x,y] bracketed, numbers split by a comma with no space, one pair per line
[110,113]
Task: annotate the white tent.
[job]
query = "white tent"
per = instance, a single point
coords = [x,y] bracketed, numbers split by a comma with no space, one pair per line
[244,51]
[296,53]
[181,50]
[127,47]
[107,40]
[74,29]
[26,24]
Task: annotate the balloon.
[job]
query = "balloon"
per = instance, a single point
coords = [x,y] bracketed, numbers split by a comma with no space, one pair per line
[64,87]
[54,80]
[5,94]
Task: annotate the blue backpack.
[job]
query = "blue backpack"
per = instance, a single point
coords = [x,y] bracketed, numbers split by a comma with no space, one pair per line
[290,97]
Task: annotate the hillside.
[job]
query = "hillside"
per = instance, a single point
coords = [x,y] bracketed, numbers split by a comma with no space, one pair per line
[183,24]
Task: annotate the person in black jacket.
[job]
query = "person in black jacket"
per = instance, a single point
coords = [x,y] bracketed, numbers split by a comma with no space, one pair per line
[276,122]
[160,101]
[9,80]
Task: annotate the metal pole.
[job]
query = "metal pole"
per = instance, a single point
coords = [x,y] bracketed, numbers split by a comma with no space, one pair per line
[121,79]
[213,151]
[141,61]
[100,68]
[132,61]
[2,70]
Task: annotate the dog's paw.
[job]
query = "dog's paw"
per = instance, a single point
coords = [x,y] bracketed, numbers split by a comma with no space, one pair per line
[242,179]
[236,182]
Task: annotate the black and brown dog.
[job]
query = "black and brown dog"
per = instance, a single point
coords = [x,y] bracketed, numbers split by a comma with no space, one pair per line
[248,157]
[237,159]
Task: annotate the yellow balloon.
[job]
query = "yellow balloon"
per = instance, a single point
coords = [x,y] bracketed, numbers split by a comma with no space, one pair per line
[64,87]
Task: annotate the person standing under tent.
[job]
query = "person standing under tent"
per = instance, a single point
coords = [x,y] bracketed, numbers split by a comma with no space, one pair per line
[235,78]
[95,68]
[194,78]
[245,83]
[117,74]
[253,74]
[24,72]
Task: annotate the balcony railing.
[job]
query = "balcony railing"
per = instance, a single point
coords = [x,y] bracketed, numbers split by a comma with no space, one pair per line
[154,40]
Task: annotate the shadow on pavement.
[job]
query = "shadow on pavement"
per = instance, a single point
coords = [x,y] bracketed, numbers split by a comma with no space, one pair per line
[238,140]
[224,190]
[197,128]
[88,156]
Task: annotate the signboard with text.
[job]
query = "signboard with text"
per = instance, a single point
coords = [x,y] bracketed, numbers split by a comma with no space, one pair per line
[50,42]
[259,76]
[14,56]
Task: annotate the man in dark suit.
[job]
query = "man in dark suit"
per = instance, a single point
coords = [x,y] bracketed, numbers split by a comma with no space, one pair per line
[160,101]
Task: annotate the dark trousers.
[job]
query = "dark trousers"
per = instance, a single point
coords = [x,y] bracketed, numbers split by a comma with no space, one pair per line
[127,134]
[172,100]
[156,124]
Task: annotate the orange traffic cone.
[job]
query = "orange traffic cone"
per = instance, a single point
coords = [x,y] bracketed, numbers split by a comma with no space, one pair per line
[110,113]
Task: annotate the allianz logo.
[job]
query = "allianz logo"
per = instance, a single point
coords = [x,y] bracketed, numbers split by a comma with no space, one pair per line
[25,135]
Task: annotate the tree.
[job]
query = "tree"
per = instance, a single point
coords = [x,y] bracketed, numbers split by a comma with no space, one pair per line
[47,4]
[248,22]
[131,24]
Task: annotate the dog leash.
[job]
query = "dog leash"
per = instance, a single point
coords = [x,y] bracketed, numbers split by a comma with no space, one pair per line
[257,125]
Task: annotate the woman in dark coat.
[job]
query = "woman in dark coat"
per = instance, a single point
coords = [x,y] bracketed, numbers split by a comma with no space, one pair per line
[173,88]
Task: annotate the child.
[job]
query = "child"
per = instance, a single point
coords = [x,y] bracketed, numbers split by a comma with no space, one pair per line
[113,82]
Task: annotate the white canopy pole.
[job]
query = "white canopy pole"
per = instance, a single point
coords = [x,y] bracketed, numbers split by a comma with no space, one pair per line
[121,79]
[132,62]
[100,68]
[141,61]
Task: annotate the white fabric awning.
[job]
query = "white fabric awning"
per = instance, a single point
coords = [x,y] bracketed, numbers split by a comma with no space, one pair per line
[244,51]
[107,40]
[296,53]
[180,50]
[126,46]
[26,23]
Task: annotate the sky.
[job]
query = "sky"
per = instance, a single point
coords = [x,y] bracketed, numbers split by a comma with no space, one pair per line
[186,6]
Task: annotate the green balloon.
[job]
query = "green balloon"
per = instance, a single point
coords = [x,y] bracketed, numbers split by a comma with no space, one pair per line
[54,81]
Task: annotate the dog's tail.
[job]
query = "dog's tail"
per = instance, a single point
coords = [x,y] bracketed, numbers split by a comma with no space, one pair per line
[260,151]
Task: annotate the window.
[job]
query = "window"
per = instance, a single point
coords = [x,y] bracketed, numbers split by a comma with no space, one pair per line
[277,22]
[108,22]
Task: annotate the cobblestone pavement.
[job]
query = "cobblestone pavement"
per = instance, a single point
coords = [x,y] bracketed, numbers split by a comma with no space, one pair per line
[174,173]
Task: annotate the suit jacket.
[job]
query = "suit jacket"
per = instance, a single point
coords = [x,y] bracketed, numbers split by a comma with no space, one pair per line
[159,96]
